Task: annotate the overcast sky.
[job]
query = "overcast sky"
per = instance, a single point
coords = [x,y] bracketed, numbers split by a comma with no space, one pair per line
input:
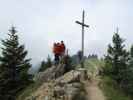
[42,22]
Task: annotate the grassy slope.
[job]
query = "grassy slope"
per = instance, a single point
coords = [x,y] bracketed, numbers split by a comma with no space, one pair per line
[92,64]
[111,90]
[108,86]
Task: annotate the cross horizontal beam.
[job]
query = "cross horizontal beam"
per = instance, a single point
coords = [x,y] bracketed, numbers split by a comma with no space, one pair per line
[82,24]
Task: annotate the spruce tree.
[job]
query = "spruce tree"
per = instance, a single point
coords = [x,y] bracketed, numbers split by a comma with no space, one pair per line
[131,52]
[117,59]
[45,65]
[13,66]
[128,81]
[49,62]
[42,66]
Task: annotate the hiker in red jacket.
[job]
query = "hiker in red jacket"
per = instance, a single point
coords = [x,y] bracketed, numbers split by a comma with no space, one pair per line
[59,51]
[56,52]
[62,46]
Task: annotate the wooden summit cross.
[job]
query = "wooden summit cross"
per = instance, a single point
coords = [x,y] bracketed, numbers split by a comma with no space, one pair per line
[82,47]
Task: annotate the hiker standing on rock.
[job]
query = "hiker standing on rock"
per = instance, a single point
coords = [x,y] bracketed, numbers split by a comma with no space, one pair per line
[59,51]
[56,52]
[62,46]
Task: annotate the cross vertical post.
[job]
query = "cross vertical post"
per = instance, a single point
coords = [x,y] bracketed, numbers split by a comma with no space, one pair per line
[82,41]
[82,62]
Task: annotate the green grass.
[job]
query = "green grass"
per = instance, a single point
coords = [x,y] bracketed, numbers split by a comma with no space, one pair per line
[92,64]
[111,90]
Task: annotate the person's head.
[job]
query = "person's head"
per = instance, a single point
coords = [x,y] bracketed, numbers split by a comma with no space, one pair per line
[62,42]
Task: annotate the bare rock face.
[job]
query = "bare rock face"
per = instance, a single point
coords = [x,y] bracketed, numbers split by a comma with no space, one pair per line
[50,73]
[69,77]
[59,85]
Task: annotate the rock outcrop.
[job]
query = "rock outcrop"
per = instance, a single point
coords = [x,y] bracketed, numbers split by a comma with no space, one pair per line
[50,73]
[58,85]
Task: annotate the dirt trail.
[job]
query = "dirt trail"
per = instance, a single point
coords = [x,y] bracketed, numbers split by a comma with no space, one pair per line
[93,91]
